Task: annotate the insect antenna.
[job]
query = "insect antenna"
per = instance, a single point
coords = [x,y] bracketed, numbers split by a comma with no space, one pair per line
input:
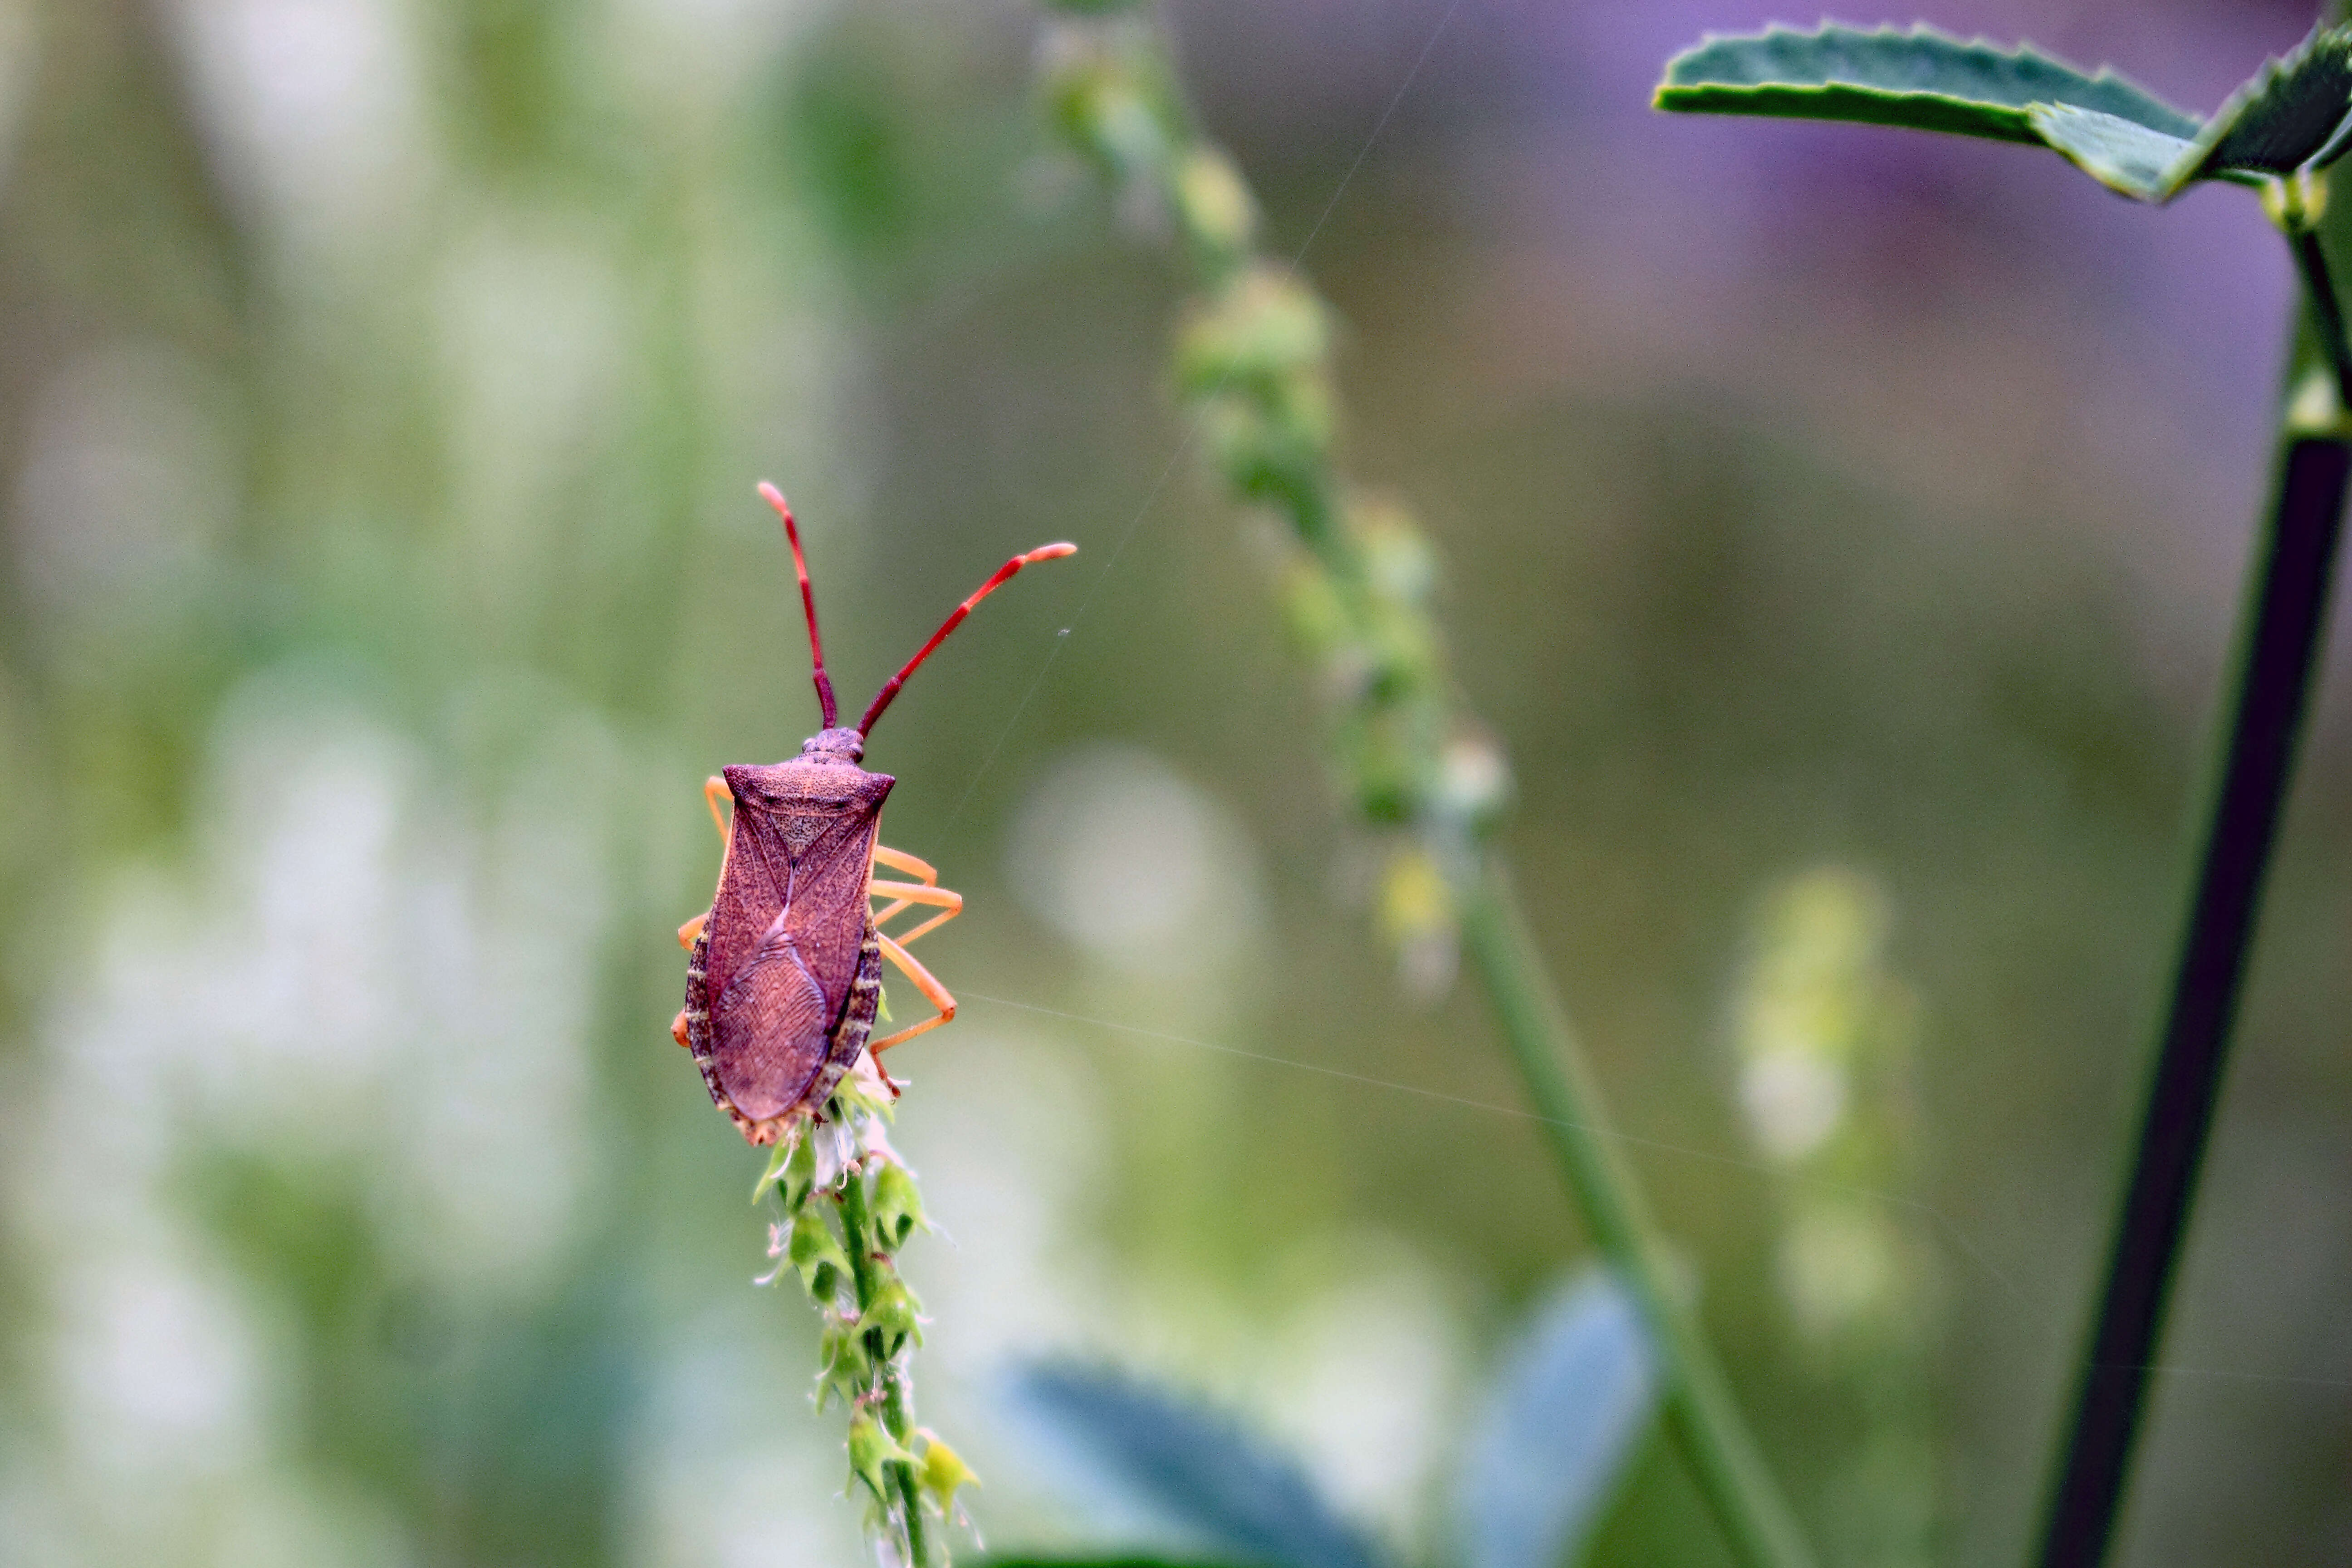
[1004,574]
[775,498]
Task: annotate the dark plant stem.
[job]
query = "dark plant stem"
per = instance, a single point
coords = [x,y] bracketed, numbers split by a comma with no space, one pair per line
[2278,644]
[1700,1412]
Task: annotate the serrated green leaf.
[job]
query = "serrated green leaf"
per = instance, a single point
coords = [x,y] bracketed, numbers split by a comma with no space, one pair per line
[2128,159]
[2290,116]
[1921,79]
[2295,114]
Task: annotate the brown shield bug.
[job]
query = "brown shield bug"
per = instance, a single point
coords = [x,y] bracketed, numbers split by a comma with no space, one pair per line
[784,971]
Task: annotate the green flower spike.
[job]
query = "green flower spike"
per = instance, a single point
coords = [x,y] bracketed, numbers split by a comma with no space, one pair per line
[849,1205]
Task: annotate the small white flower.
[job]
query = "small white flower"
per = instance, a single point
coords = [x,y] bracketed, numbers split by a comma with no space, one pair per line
[778,1238]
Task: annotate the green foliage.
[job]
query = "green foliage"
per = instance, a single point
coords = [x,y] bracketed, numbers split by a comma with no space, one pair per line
[2292,118]
[851,148]
[512,105]
[2119,154]
[1922,80]
[942,1473]
[469,463]
[2293,115]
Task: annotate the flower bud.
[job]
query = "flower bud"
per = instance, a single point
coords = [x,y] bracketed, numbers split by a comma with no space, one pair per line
[1398,565]
[871,1447]
[896,1315]
[844,1367]
[898,1207]
[943,1472]
[1107,110]
[1214,209]
[1473,782]
[1260,328]
[816,1256]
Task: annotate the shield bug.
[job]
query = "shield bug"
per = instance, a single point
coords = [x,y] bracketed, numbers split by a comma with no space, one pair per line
[784,970]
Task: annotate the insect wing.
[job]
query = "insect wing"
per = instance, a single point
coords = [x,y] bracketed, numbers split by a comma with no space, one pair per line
[786,933]
[771,1024]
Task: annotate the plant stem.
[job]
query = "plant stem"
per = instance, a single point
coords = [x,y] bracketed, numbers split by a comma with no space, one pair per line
[857,1238]
[2327,315]
[1700,1411]
[894,1417]
[2278,643]
[1254,359]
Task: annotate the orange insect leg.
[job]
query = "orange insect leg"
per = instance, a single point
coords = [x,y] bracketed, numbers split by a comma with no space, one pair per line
[933,992]
[899,860]
[928,892]
[948,902]
[714,790]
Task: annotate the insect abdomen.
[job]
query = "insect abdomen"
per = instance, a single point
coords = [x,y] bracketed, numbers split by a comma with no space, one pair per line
[848,1037]
[856,1026]
[697,1023]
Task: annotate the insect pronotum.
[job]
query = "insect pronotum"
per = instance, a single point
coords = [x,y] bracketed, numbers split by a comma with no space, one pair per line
[784,970]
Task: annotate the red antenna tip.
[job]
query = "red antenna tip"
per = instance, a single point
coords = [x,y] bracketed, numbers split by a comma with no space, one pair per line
[955,618]
[772,496]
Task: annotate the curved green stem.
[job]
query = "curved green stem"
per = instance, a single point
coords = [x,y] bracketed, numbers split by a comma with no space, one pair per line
[1253,358]
[1700,1410]
[2278,643]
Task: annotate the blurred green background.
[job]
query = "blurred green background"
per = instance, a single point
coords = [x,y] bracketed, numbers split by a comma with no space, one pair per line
[383,383]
